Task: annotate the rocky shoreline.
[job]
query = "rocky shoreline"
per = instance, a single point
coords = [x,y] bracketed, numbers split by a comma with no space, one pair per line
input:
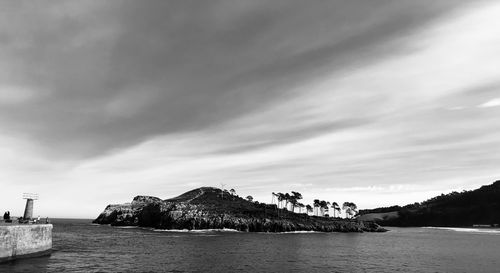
[203,208]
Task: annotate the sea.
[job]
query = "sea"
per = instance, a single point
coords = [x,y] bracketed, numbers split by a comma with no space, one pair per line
[80,246]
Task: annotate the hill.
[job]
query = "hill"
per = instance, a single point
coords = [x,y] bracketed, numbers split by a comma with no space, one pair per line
[211,208]
[456,209]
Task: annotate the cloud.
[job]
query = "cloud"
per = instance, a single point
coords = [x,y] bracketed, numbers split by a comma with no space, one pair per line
[491,103]
[15,94]
[122,73]
[125,98]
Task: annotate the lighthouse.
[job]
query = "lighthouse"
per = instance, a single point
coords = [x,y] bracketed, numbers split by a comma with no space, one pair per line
[28,210]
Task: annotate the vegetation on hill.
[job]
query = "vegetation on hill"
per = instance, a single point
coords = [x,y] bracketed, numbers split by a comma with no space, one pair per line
[318,208]
[212,208]
[466,208]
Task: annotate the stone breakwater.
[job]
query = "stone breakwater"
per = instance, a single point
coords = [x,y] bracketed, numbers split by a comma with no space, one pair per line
[19,241]
[145,211]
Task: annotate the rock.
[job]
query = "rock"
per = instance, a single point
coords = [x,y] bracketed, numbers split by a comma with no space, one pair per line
[205,208]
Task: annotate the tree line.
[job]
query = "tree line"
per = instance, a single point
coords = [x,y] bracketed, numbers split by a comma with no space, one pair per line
[291,201]
[467,208]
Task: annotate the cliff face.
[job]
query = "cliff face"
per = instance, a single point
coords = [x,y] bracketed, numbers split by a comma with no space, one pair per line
[126,214]
[208,208]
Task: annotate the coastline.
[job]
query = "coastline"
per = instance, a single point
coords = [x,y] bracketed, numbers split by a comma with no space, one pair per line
[158,214]
[489,230]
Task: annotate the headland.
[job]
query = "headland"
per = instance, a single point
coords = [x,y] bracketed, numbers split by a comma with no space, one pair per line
[211,208]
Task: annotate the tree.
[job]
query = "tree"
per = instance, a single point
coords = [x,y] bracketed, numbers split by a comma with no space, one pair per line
[354,209]
[347,209]
[309,208]
[281,198]
[295,197]
[293,202]
[287,199]
[335,208]
[350,209]
[327,204]
[323,205]
[300,206]
[232,191]
[249,198]
[316,205]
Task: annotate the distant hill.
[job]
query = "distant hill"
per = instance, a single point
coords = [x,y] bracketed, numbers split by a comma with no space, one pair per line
[211,208]
[456,209]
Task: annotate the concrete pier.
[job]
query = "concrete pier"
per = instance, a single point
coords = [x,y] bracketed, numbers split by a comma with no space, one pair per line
[20,241]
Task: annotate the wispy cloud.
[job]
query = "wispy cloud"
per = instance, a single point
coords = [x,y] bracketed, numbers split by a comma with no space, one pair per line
[491,103]
[122,73]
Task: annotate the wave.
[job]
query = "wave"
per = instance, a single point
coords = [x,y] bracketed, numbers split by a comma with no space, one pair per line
[473,230]
[197,230]
[232,230]
[215,230]
[302,232]
[291,232]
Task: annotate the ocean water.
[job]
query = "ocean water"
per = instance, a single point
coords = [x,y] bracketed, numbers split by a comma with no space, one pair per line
[80,246]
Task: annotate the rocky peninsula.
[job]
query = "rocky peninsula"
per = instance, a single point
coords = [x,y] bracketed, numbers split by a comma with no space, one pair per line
[211,208]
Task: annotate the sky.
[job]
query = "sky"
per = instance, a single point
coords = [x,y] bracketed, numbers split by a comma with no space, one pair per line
[374,102]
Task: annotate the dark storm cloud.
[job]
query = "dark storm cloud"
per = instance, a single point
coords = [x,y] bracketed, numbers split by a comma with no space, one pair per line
[100,76]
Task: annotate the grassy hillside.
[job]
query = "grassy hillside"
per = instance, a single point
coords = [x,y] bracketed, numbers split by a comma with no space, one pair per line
[211,208]
[213,200]
[467,208]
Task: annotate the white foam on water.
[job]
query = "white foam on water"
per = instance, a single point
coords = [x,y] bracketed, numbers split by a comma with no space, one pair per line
[215,230]
[301,232]
[197,230]
[472,230]
[292,232]
[171,230]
